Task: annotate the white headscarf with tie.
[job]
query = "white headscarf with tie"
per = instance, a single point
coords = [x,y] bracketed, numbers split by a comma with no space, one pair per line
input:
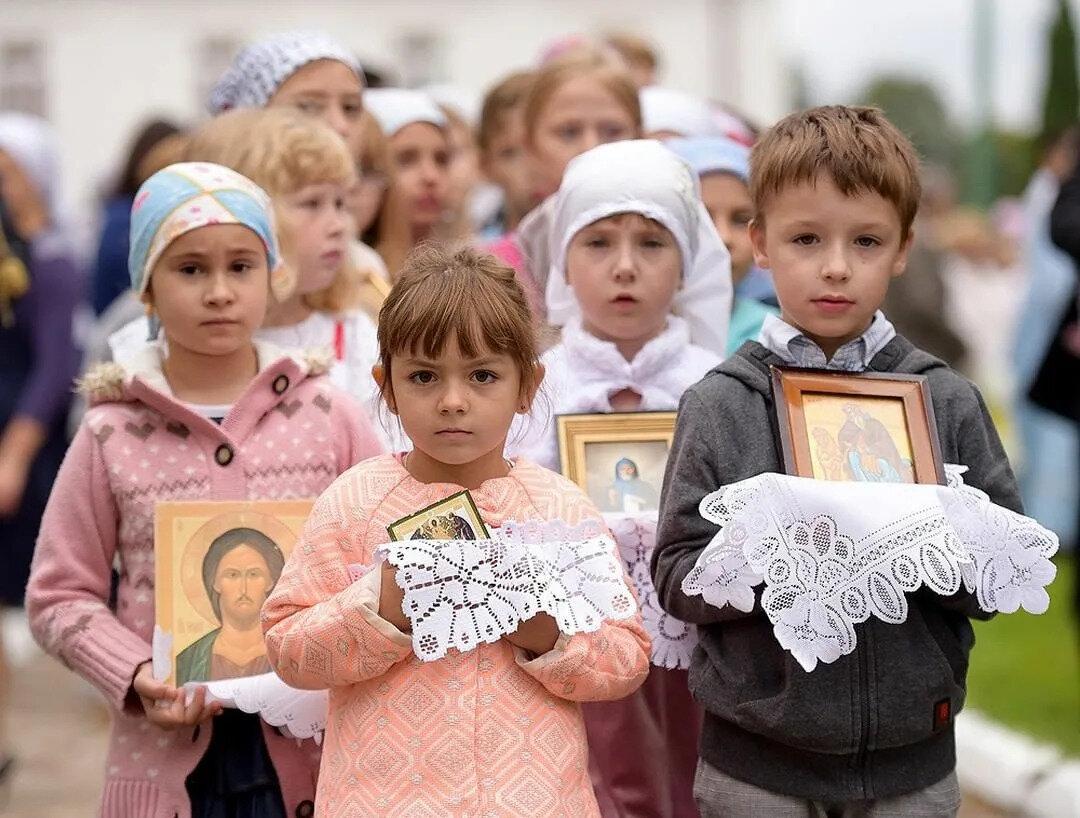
[644,177]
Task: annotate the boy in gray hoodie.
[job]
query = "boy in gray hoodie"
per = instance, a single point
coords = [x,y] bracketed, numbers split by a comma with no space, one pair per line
[835,191]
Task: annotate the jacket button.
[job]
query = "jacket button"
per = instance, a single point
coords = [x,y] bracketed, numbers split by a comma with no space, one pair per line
[224,454]
[305,810]
[280,384]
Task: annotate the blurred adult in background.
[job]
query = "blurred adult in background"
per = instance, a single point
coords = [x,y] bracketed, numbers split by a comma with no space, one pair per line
[1057,384]
[40,289]
[110,276]
[1048,468]
[917,301]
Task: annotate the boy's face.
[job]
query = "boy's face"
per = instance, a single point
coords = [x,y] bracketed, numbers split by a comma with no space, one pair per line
[505,162]
[832,257]
[727,199]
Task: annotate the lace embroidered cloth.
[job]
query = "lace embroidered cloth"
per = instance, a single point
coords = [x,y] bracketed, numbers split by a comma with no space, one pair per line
[831,555]
[460,593]
[673,640]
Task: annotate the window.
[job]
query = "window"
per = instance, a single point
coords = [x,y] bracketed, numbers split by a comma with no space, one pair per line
[22,77]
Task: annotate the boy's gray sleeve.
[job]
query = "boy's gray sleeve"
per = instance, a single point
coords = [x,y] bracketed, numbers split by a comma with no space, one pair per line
[682,533]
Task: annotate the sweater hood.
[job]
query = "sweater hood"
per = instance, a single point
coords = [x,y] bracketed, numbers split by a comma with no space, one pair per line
[751,363]
[112,382]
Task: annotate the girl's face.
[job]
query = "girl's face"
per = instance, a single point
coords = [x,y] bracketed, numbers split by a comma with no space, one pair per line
[456,410]
[420,162]
[464,169]
[579,115]
[331,91]
[506,165]
[210,289]
[727,199]
[625,271]
[315,219]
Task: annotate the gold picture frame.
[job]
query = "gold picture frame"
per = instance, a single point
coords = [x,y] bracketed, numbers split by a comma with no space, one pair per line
[452,518]
[618,459]
[206,584]
[865,427]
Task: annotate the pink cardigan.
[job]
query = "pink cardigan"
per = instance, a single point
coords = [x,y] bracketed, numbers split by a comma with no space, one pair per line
[288,436]
[487,732]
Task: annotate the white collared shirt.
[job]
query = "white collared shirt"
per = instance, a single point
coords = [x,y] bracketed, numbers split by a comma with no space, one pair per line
[782,339]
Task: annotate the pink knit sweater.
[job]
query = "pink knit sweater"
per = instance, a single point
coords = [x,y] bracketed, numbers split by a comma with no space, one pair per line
[288,436]
[484,733]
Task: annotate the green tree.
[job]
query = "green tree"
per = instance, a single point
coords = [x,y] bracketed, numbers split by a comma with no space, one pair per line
[915,107]
[1061,100]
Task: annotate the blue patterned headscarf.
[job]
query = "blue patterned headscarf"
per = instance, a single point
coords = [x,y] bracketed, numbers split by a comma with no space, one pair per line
[190,195]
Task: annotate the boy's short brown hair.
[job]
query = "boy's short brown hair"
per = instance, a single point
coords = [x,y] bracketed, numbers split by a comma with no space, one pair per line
[510,93]
[857,146]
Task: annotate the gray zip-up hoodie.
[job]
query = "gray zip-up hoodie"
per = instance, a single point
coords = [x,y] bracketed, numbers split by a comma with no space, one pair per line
[877,722]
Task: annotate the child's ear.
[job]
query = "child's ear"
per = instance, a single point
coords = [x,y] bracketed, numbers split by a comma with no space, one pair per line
[905,248]
[147,298]
[757,240]
[530,388]
[379,374]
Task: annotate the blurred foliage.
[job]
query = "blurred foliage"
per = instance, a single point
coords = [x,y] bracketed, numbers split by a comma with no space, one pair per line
[1061,97]
[1025,670]
[915,107]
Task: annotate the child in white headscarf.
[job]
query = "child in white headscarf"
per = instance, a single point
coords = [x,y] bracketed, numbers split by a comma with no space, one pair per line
[417,201]
[641,285]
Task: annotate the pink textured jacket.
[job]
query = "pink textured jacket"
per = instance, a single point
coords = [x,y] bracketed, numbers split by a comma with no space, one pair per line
[288,436]
[484,733]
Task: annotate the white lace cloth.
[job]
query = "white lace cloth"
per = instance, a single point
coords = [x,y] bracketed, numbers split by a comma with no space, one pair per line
[461,593]
[831,555]
[673,640]
[299,713]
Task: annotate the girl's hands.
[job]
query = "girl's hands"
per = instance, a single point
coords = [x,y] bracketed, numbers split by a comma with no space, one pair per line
[392,600]
[166,706]
[537,635]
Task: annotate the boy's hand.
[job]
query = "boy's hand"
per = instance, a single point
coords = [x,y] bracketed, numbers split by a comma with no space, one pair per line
[166,706]
[392,600]
[537,635]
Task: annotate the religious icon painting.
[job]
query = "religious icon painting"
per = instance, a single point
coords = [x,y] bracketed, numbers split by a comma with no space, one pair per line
[869,427]
[618,459]
[215,565]
[452,518]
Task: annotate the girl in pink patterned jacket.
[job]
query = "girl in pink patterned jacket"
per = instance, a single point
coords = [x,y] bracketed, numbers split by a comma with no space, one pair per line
[206,415]
[496,730]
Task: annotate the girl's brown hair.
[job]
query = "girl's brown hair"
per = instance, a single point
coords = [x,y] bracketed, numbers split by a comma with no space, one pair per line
[583,61]
[282,151]
[458,293]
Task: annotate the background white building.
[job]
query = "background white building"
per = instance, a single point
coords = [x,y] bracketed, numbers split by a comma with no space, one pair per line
[97,68]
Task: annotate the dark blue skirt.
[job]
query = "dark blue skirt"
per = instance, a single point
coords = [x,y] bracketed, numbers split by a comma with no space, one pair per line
[235,778]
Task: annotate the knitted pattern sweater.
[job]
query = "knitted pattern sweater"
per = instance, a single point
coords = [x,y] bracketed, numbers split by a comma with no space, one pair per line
[488,732]
[288,436]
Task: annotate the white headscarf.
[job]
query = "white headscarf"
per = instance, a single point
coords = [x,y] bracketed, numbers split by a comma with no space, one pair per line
[263,66]
[642,176]
[394,108]
[666,109]
[31,143]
